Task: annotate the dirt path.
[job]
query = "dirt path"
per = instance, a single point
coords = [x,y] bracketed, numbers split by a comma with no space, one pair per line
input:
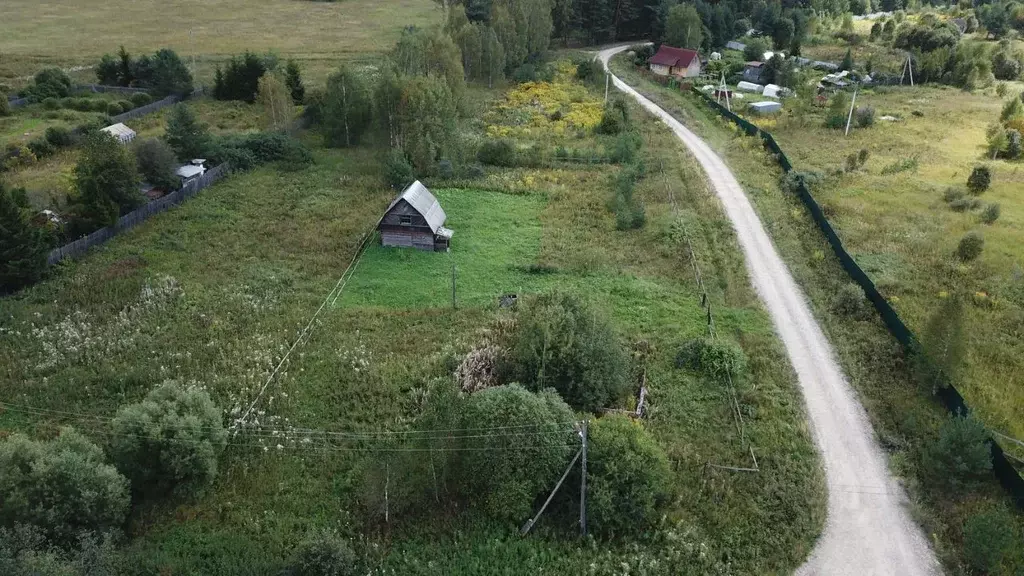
[869,530]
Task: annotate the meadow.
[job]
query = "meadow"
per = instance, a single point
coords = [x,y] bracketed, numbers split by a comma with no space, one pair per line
[214,291]
[319,35]
[905,416]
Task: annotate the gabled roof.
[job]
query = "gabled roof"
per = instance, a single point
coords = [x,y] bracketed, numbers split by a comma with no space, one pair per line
[118,130]
[423,202]
[676,57]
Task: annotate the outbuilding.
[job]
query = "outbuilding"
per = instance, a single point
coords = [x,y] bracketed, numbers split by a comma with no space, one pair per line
[750,87]
[123,133]
[679,62]
[415,219]
[191,171]
[766,107]
[752,72]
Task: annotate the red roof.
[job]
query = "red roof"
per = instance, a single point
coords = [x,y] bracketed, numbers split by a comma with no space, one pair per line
[675,57]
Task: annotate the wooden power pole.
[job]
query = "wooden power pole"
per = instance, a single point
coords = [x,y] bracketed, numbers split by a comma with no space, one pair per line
[583,480]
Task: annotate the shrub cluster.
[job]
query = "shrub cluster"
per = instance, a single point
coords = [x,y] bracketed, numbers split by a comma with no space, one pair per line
[48,83]
[979,180]
[716,359]
[970,246]
[61,487]
[562,343]
[170,441]
[630,213]
[960,457]
[849,300]
[498,152]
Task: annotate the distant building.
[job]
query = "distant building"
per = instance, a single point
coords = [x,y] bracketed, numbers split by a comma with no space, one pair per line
[765,107]
[415,219]
[752,72]
[123,133]
[191,171]
[679,62]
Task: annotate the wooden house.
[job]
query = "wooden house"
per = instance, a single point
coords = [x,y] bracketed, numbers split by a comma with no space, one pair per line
[679,62]
[415,219]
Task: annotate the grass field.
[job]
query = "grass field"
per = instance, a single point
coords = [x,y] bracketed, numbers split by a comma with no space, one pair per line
[318,34]
[215,290]
[904,416]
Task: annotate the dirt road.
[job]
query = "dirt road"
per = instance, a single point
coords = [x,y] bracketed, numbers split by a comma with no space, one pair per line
[869,530]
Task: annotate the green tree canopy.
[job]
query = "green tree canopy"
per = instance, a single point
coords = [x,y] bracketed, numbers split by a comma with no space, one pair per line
[157,163]
[185,134]
[293,80]
[22,246]
[61,487]
[170,441]
[106,179]
[347,110]
[683,27]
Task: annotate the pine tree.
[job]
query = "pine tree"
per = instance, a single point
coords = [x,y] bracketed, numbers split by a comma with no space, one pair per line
[943,346]
[22,246]
[847,63]
[293,79]
[185,134]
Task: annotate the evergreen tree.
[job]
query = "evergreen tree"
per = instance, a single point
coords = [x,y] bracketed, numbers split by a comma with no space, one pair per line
[22,246]
[125,67]
[293,80]
[943,347]
[847,63]
[188,137]
[347,108]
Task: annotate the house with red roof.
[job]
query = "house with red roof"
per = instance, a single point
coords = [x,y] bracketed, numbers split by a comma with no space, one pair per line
[679,62]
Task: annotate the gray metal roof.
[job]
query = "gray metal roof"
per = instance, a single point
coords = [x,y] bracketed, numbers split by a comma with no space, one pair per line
[424,202]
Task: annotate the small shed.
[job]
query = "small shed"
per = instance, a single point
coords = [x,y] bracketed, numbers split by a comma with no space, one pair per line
[123,133]
[679,62]
[752,72]
[191,171]
[750,87]
[415,219]
[766,107]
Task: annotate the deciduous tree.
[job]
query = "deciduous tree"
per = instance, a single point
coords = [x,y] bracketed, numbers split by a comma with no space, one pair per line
[347,110]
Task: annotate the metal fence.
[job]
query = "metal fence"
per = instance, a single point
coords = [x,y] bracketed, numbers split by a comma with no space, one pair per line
[147,109]
[101,88]
[136,217]
[948,394]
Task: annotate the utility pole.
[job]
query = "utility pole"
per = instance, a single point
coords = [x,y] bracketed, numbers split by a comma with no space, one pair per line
[850,117]
[607,79]
[529,523]
[453,286]
[583,480]
[192,48]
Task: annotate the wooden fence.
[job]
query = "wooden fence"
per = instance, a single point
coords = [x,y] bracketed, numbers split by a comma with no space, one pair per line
[101,88]
[136,217]
[147,109]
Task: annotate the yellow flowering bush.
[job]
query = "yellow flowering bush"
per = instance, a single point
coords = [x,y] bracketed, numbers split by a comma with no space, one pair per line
[544,110]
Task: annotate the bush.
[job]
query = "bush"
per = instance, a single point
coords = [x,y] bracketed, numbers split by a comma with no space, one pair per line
[964,204]
[5,105]
[500,152]
[611,122]
[988,536]
[849,301]
[628,477]
[990,214]
[125,105]
[865,116]
[1014,145]
[952,194]
[508,481]
[525,73]
[398,172]
[624,148]
[590,71]
[157,163]
[979,180]
[324,554]
[100,105]
[970,246]
[49,83]
[960,457]
[113,108]
[170,441]
[41,148]
[59,136]
[62,487]
[140,99]
[562,343]
[445,169]
[51,104]
[715,359]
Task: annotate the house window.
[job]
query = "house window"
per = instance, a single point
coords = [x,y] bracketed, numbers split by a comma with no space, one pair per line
[405,220]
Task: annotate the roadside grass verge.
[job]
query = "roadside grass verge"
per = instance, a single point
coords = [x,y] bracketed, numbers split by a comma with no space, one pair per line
[905,417]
